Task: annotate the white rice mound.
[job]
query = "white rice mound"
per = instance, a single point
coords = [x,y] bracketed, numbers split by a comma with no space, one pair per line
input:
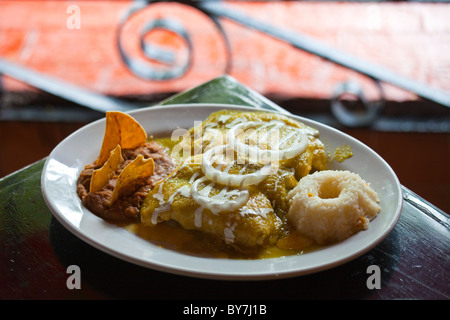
[331,205]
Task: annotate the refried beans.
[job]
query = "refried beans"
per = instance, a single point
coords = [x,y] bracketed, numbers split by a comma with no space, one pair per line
[126,208]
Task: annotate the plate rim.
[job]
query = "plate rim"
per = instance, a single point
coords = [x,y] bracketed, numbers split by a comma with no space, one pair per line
[214,274]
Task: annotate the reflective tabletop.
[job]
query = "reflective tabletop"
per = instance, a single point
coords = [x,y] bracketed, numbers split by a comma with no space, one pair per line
[38,253]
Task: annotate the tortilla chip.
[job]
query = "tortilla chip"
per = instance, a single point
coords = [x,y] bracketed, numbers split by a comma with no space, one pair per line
[133,173]
[101,176]
[120,129]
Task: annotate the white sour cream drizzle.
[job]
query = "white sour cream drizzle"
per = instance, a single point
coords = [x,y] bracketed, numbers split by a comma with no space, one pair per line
[165,206]
[228,232]
[227,179]
[226,199]
[268,155]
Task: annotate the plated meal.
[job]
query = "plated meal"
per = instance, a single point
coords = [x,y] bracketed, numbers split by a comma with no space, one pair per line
[239,184]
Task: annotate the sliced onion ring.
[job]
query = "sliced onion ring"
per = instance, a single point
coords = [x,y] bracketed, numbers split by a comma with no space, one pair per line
[264,156]
[218,205]
[232,180]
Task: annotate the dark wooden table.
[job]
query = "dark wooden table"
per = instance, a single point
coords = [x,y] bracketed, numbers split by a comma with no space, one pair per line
[36,249]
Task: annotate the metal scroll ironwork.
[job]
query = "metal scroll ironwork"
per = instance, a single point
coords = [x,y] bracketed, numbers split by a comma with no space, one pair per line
[359,117]
[139,66]
[144,69]
[377,73]
[63,89]
[216,10]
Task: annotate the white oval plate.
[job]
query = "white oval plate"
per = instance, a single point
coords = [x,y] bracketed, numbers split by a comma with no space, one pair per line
[66,161]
